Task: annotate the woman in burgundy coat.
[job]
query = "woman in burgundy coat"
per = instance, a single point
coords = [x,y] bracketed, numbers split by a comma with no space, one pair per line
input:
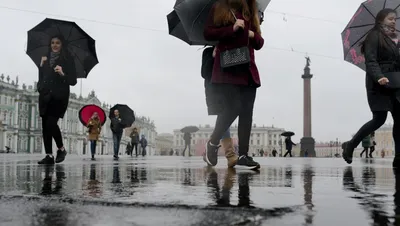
[234,24]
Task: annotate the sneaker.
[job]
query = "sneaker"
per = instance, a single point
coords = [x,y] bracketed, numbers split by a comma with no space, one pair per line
[47,160]
[116,157]
[247,162]
[61,155]
[211,155]
[347,152]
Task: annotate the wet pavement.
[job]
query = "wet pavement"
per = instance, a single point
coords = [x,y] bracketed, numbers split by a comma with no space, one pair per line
[181,191]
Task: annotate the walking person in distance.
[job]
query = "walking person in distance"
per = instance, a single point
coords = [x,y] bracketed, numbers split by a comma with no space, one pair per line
[94,127]
[134,141]
[56,75]
[117,129]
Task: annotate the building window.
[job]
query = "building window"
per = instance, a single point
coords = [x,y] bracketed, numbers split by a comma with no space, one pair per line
[258,142]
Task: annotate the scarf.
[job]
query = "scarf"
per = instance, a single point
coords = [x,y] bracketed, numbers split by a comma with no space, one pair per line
[390,32]
[53,57]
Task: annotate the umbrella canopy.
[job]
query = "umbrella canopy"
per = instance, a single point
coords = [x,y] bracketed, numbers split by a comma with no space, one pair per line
[287,134]
[76,41]
[193,15]
[87,112]
[190,129]
[359,26]
[175,28]
[125,113]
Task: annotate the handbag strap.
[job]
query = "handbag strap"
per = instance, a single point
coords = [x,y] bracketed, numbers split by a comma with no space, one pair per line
[248,38]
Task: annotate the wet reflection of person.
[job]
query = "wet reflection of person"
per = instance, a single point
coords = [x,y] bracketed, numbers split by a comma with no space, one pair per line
[220,197]
[47,181]
[366,199]
[308,174]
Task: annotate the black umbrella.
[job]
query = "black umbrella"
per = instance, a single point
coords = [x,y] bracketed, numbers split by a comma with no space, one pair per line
[190,129]
[359,26]
[175,28]
[125,113]
[287,134]
[78,43]
[193,15]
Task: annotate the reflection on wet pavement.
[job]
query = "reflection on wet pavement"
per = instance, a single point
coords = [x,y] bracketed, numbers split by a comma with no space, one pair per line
[182,191]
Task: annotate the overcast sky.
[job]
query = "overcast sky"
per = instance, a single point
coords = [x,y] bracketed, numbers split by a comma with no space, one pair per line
[159,75]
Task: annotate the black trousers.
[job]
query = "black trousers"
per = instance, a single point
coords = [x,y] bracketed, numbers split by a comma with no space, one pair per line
[51,130]
[238,101]
[184,150]
[366,152]
[134,147]
[378,119]
[288,152]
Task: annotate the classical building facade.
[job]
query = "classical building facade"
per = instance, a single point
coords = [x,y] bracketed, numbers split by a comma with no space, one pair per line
[262,137]
[384,141]
[20,127]
[164,143]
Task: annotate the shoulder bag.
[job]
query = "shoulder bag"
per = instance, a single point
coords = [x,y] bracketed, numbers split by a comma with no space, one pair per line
[236,56]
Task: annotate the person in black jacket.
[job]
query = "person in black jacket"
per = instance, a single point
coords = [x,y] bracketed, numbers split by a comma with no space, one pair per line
[289,146]
[381,52]
[117,129]
[143,144]
[187,138]
[56,74]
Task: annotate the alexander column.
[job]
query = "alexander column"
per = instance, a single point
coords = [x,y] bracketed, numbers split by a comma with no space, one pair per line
[307,142]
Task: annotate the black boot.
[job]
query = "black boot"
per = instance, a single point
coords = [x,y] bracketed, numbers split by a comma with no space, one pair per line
[48,160]
[347,153]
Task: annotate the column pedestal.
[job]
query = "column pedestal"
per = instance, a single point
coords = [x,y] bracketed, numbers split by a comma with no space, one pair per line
[307,143]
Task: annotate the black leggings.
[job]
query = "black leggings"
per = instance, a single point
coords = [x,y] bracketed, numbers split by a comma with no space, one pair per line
[237,101]
[378,119]
[51,130]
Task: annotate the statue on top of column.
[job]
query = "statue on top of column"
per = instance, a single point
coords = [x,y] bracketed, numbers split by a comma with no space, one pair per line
[308,61]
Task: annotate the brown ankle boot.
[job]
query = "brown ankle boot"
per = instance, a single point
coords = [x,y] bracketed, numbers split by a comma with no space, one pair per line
[227,146]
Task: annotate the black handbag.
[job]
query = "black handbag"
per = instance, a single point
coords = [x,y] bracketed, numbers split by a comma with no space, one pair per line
[236,56]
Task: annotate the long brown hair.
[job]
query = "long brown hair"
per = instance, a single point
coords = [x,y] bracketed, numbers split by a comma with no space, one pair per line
[223,15]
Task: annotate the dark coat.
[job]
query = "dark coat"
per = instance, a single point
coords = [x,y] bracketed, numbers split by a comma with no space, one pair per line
[380,60]
[116,126]
[54,89]
[228,39]
[134,137]
[289,144]
[143,142]
[213,98]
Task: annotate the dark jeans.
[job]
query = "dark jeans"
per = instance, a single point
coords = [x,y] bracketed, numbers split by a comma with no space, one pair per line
[116,139]
[378,119]
[366,152]
[51,130]
[134,146]
[93,146]
[288,152]
[143,151]
[184,150]
[238,101]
